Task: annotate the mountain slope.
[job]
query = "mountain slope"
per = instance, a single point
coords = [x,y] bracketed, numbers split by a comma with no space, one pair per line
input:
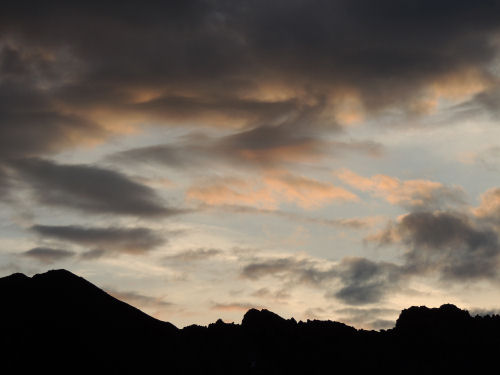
[60,322]
[59,313]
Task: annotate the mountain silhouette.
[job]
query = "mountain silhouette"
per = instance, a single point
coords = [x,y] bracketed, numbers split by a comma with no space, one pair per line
[59,322]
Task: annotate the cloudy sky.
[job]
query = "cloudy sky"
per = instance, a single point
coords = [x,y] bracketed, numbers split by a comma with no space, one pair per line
[322,159]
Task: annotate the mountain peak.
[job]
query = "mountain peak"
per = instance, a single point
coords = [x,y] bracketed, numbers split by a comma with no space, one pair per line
[56,274]
[264,319]
[66,282]
[418,318]
[16,279]
[59,312]
[15,276]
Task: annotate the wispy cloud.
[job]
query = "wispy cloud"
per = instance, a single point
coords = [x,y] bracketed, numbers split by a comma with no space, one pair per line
[193,255]
[410,193]
[89,189]
[48,255]
[104,240]
[269,192]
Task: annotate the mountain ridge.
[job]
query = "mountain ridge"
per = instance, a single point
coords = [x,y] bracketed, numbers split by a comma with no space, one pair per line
[250,318]
[59,312]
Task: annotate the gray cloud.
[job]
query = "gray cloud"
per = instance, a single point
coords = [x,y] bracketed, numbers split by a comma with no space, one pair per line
[299,58]
[105,240]
[451,244]
[261,146]
[5,184]
[48,255]
[365,281]
[88,188]
[445,244]
[275,71]
[351,43]
[30,121]
[193,255]
[484,102]
[254,111]
[354,281]
[448,243]
[287,268]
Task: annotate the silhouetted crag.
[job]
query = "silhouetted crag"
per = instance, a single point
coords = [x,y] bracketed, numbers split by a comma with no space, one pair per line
[59,322]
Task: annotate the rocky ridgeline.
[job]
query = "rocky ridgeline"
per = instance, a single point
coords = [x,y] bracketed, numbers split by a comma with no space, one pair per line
[60,322]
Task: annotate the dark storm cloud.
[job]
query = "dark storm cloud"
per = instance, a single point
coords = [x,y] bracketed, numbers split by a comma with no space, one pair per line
[258,146]
[338,41]
[4,184]
[272,144]
[276,64]
[106,240]
[254,111]
[262,146]
[354,281]
[452,244]
[448,243]
[31,123]
[29,126]
[365,281]
[88,188]
[48,255]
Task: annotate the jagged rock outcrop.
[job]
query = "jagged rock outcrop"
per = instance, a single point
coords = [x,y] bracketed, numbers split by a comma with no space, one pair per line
[423,319]
[58,321]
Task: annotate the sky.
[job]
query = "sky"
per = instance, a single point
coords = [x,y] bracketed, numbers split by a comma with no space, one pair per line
[322,159]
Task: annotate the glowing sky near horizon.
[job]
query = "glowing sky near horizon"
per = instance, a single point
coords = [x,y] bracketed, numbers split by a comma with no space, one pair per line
[321,159]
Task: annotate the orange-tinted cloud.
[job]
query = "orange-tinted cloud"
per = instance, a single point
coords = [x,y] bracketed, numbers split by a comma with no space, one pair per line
[232,191]
[414,193]
[269,192]
[304,152]
[348,107]
[227,72]
[489,208]
[453,87]
[306,192]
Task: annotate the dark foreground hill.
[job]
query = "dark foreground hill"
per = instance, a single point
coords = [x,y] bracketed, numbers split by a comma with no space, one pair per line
[59,322]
